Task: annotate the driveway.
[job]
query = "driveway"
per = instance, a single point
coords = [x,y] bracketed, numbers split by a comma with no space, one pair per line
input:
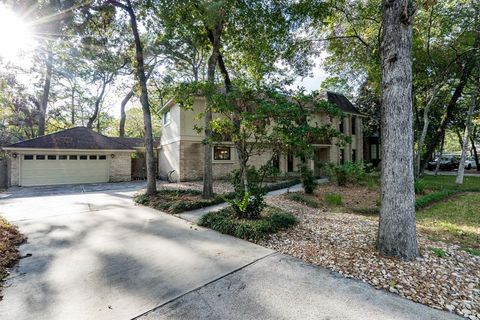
[98,256]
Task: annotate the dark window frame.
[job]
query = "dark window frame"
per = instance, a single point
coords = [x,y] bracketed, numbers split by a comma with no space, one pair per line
[51,157]
[28,157]
[83,157]
[102,157]
[72,157]
[354,126]
[62,157]
[354,155]
[40,157]
[217,152]
[92,157]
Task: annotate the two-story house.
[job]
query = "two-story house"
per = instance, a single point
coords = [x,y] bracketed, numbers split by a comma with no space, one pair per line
[182,153]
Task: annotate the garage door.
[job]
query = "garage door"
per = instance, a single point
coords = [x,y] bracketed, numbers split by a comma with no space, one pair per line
[43,169]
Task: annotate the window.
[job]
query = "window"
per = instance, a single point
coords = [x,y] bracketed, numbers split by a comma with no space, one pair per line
[40,157]
[340,127]
[342,156]
[62,157]
[83,157]
[51,157]
[102,157]
[290,162]
[28,157]
[221,153]
[354,125]
[72,157]
[93,157]
[166,117]
[354,155]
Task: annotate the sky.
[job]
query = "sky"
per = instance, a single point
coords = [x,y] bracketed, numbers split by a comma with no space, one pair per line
[312,83]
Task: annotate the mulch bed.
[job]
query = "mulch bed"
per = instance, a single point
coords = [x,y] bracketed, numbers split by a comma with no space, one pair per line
[10,239]
[345,243]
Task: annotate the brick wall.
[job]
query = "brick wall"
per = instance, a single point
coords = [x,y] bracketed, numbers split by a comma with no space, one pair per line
[120,167]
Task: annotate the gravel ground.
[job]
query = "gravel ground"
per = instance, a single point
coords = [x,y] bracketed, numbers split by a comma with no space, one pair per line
[345,243]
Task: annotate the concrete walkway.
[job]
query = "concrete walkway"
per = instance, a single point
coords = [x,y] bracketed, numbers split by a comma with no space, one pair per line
[195,215]
[98,256]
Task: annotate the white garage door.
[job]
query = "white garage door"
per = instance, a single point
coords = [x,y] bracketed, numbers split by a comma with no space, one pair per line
[44,169]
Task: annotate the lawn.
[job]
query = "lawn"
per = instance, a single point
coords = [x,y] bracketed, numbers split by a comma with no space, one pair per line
[456,219]
[448,182]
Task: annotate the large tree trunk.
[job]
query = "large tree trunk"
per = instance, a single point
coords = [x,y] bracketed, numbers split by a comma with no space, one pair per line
[46,91]
[211,66]
[123,114]
[466,134]
[397,230]
[142,82]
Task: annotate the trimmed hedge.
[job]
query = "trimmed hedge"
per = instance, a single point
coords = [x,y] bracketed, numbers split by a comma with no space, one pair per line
[225,221]
[436,196]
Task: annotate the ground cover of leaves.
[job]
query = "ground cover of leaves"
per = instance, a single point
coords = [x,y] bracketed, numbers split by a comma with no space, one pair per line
[10,239]
[345,243]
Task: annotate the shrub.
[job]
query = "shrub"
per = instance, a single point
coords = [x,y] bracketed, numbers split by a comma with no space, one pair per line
[333,199]
[226,221]
[249,204]
[298,197]
[433,197]
[420,186]
[350,172]
[308,179]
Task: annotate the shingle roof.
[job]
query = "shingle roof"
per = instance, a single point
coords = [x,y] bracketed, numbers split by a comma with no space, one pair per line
[74,138]
[130,142]
[342,102]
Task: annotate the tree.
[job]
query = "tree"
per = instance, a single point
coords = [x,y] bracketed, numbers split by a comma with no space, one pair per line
[397,230]
[466,135]
[142,83]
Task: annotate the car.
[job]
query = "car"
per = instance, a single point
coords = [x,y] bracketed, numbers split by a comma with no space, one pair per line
[470,163]
[447,163]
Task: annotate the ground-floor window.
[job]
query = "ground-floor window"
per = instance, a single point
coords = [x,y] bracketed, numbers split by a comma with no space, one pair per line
[222,153]
[290,162]
[354,155]
[342,156]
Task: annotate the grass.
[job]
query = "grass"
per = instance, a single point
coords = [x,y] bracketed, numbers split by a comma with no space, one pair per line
[448,182]
[177,201]
[10,239]
[333,199]
[456,220]
[272,220]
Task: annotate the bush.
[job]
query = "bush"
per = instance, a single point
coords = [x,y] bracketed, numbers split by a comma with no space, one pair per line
[420,186]
[226,221]
[350,172]
[308,179]
[298,197]
[249,204]
[433,197]
[333,199]
[438,252]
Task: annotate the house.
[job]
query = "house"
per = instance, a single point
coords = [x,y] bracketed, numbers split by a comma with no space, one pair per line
[76,155]
[182,152]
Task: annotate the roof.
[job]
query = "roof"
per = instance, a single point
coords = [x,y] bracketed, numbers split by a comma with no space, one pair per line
[130,142]
[78,138]
[342,102]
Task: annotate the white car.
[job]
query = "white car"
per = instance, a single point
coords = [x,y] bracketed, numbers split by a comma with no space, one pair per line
[470,163]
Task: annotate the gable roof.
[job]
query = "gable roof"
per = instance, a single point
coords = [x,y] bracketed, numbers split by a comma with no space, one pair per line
[130,142]
[78,138]
[342,102]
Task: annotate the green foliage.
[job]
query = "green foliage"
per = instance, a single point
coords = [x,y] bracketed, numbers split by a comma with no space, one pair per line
[177,201]
[249,203]
[226,221]
[300,198]
[420,186]
[350,172]
[282,185]
[436,196]
[438,252]
[308,179]
[333,199]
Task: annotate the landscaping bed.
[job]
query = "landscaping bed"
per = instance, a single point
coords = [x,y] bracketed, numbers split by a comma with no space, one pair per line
[271,220]
[444,277]
[177,200]
[10,239]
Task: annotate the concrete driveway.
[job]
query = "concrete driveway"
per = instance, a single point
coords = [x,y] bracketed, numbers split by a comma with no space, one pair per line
[98,256]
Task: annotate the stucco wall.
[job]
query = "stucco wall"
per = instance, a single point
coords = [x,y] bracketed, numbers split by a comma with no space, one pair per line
[169,159]
[120,167]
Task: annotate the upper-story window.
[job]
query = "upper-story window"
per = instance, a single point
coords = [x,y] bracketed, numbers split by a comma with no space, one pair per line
[166,117]
[340,127]
[354,125]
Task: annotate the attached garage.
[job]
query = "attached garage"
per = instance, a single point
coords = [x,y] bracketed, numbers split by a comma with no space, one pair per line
[51,169]
[72,156]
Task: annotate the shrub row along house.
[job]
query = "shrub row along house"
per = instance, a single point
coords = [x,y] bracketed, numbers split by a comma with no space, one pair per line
[80,155]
